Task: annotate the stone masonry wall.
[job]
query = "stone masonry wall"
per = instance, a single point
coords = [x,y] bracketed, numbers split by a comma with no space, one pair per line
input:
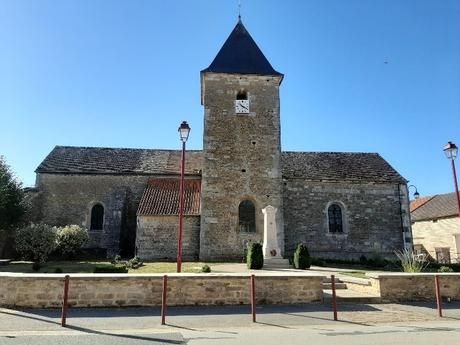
[99,290]
[156,237]
[372,218]
[395,287]
[68,199]
[241,160]
[441,233]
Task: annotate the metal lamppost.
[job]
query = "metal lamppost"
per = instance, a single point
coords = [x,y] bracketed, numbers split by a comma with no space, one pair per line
[451,150]
[184,131]
[416,193]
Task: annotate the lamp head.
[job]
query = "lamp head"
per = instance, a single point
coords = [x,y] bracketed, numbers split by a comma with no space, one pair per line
[450,150]
[184,131]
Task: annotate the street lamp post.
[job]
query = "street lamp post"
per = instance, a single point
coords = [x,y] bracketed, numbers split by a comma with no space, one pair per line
[451,150]
[184,131]
[416,193]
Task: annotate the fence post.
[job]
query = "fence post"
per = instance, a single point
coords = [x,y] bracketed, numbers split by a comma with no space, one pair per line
[438,295]
[253,298]
[64,301]
[334,298]
[163,300]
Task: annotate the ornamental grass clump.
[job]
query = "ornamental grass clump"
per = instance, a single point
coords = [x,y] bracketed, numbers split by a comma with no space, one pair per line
[411,263]
[255,257]
[302,259]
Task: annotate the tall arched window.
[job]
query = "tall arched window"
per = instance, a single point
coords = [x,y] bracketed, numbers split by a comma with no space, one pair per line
[335,218]
[247,216]
[97,217]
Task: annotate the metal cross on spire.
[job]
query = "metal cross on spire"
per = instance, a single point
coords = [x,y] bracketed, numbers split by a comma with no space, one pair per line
[239,9]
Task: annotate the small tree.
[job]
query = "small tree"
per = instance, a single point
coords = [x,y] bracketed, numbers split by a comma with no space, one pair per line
[255,258]
[70,239]
[12,204]
[36,241]
[302,258]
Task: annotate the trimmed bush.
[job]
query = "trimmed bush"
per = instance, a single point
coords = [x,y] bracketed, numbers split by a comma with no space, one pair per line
[109,268]
[255,258]
[206,269]
[445,269]
[302,258]
[36,241]
[70,239]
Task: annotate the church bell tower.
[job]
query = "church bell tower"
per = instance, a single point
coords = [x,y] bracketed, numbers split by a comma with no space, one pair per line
[241,172]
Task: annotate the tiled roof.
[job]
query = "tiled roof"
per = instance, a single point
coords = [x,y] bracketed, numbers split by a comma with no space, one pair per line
[101,160]
[240,54]
[339,166]
[439,206]
[161,197]
[415,204]
[316,166]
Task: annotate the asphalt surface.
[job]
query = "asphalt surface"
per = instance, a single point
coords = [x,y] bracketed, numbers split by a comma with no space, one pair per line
[289,324]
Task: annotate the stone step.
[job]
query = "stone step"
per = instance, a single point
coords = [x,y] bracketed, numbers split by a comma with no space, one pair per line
[348,296]
[276,263]
[338,286]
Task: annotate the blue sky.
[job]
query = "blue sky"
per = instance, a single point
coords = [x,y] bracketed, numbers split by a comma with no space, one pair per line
[126,73]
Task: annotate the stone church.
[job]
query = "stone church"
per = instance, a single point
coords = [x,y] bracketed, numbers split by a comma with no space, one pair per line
[340,204]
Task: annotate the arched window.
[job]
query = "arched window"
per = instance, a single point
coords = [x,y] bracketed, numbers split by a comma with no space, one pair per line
[247,216]
[242,95]
[97,217]
[335,218]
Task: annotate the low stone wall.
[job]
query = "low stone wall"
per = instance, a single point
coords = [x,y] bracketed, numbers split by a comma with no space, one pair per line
[117,290]
[398,287]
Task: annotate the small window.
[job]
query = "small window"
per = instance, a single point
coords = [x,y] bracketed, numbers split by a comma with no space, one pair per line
[242,95]
[335,218]
[247,216]
[443,255]
[97,217]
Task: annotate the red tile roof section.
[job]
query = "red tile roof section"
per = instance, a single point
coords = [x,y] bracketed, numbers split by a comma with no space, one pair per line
[161,197]
[415,204]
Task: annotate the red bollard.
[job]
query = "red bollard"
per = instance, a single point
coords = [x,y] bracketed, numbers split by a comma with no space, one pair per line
[334,298]
[253,298]
[438,295]
[64,301]
[163,300]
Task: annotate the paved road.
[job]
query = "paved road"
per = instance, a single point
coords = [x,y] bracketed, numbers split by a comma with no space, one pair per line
[379,324]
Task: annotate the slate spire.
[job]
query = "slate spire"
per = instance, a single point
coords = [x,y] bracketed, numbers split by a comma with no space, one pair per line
[240,54]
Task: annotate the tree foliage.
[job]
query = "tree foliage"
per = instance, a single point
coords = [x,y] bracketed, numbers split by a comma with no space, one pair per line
[12,204]
[36,241]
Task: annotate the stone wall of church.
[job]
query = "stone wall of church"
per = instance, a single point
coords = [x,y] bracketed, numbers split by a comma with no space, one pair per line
[68,199]
[241,160]
[374,218]
[156,237]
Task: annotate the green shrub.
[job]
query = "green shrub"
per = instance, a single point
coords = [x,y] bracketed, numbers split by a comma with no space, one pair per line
[109,268]
[255,258]
[302,258]
[445,269]
[70,239]
[36,241]
[116,259]
[58,270]
[206,269]
[409,262]
[36,266]
[134,263]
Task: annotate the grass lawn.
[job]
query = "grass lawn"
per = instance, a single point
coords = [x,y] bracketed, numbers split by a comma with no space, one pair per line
[88,267]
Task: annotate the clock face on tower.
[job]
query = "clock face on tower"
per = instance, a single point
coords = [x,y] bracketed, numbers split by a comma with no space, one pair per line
[242,106]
